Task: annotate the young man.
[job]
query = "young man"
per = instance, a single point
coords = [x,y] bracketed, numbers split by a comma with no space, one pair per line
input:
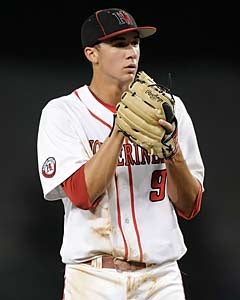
[121,235]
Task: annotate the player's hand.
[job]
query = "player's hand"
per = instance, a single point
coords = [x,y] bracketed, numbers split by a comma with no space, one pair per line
[168,126]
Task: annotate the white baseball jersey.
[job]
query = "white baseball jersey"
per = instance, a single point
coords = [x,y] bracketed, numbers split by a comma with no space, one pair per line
[135,220]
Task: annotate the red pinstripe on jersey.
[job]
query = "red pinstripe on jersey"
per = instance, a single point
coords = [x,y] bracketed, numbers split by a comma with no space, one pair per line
[117,194]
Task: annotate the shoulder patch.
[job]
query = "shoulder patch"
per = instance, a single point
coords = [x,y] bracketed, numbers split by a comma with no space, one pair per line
[49,167]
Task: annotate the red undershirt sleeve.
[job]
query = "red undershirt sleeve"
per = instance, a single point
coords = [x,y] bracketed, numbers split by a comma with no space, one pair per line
[196,208]
[76,190]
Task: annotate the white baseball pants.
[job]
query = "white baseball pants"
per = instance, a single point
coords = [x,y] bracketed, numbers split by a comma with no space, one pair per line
[86,282]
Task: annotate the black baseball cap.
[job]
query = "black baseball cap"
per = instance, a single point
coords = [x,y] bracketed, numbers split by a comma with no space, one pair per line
[107,23]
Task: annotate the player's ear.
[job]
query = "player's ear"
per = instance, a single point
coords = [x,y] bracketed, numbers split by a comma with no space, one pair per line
[91,54]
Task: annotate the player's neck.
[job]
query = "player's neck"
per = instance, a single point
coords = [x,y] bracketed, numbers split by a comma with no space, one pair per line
[107,93]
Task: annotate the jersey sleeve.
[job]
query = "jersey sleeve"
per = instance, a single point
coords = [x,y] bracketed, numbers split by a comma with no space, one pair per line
[60,149]
[188,142]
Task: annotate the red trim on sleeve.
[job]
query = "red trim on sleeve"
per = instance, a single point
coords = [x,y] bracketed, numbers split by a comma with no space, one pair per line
[76,190]
[197,205]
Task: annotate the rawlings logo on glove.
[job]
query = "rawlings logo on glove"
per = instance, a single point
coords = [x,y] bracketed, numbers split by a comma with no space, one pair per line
[138,114]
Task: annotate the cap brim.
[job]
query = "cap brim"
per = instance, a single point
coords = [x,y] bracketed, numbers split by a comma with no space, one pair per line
[143,32]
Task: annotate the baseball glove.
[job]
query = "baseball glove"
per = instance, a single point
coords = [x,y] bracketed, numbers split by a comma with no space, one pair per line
[138,114]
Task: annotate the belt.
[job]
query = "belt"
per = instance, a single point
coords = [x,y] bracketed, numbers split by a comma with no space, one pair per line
[111,262]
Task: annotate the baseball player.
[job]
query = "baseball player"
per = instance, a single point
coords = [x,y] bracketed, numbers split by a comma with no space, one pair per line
[121,235]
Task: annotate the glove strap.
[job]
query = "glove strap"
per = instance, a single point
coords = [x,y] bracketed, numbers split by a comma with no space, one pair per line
[114,118]
[177,149]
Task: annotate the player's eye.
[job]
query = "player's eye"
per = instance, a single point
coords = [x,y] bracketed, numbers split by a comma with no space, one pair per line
[120,44]
[136,42]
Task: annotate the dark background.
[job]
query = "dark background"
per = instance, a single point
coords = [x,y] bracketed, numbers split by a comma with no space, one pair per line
[41,58]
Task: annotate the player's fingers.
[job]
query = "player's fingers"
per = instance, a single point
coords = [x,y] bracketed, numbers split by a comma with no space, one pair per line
[169,127]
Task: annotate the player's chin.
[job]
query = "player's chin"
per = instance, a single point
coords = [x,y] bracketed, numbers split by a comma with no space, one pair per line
[130,73]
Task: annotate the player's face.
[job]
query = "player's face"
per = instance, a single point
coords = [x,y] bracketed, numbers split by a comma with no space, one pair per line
[118,57]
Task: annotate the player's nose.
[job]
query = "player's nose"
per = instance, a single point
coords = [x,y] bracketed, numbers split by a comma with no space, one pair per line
[132,52]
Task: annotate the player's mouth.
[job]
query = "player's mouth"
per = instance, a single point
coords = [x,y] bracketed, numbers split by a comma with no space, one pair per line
[131,68]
